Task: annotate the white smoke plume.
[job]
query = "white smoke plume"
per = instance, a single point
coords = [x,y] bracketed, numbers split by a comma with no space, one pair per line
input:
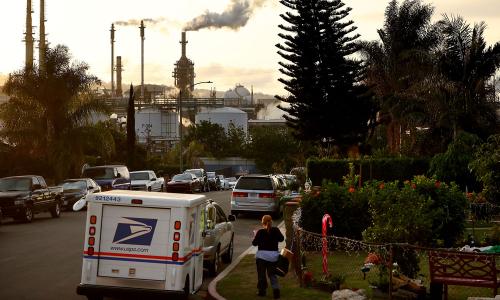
[135,22]
[235,16]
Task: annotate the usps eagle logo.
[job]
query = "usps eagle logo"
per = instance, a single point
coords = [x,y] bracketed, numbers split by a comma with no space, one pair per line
[135,231]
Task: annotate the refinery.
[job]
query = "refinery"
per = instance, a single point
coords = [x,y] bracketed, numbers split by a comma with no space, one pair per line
[162,113]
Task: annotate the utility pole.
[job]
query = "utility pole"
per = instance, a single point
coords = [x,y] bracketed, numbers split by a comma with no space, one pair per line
[142,59]
[29,37]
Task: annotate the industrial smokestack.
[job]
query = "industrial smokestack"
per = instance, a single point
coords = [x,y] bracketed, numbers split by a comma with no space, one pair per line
[41,42]
[183,42]
[142,59]
[119,69]
[236,15]
[112,59]
[29,37]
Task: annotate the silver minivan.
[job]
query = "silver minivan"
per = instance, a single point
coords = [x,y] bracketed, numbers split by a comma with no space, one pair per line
[256,193]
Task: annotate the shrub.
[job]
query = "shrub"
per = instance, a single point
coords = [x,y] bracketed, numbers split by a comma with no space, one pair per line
[486,167]
[347,207]
[453,165]
[386,169]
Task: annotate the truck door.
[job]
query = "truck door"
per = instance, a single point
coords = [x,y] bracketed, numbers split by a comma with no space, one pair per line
[198,228]
[37,195]
[134,242]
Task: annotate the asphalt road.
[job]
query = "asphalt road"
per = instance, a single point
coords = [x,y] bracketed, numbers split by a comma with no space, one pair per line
[42,260]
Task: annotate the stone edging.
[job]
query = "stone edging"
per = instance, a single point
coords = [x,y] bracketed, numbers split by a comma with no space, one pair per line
[212,287]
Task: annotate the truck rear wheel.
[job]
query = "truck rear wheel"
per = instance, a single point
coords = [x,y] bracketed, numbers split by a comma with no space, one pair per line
[55,211]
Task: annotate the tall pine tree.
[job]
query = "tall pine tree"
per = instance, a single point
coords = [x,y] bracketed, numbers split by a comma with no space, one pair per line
[326,97]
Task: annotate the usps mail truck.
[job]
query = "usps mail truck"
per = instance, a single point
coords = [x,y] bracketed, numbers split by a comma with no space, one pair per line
[140,244]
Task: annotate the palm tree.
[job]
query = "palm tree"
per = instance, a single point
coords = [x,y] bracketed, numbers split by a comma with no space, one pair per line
[49,114]
[466,65]
[400,60]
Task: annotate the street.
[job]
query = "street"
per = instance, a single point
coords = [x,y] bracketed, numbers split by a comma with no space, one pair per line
[42,260]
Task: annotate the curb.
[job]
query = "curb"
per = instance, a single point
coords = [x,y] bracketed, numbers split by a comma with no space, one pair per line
[212,287]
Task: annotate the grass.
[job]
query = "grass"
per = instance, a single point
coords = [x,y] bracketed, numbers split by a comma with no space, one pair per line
[241,283]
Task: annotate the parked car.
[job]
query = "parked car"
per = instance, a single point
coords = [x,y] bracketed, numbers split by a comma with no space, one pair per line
[76,189]
[184,183]
[146,181]
[23,196]
[223,182]
[218,243]
[202,175]
[231,181]
[214,181]
[257,193]
[109,177]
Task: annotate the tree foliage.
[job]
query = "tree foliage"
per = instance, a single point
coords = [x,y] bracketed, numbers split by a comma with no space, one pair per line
[49,114]
[326,99]
[486,167]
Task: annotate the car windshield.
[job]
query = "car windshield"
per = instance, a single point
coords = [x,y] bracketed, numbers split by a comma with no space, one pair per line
[197,173]
[139,176]
[254,183]
[99,173]
[74,185]
[231,179]
[15,184]
[182,177]
[211,174]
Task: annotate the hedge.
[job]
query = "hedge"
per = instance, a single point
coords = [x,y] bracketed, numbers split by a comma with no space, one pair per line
[383,169]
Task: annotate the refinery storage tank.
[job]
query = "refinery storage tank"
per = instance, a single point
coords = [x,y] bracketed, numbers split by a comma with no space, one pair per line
[240,96]
[225,116]
[157,124]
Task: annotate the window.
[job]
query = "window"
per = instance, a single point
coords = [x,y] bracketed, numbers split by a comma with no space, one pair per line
[254,183]
[221,217]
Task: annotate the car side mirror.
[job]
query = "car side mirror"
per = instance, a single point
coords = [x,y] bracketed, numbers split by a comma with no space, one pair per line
[153,179]
[231,218]
[91,187]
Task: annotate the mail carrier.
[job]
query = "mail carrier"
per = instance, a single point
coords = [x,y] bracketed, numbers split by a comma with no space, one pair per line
[142,244]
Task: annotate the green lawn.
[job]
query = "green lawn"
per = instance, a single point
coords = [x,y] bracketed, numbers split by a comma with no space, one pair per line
[241,283]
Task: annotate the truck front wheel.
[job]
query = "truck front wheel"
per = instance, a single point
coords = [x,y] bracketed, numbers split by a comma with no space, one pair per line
[28,214]
[55,211]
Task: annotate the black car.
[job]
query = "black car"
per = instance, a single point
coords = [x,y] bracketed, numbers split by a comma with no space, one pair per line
[214,181]
[76,189]
[202,175]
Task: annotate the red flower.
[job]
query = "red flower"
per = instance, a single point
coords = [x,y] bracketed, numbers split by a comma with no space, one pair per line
[413,186]
[352,189]
[437,184]
[381,186]
[373,258]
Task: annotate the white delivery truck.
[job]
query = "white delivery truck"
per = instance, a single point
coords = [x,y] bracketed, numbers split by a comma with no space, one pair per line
[140,244]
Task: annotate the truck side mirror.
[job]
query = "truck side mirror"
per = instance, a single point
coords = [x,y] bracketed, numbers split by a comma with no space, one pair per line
[153,179]
[231,218]
[91,187]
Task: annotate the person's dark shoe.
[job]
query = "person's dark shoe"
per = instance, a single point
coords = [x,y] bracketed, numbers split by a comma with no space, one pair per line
[261,293]
[276,294]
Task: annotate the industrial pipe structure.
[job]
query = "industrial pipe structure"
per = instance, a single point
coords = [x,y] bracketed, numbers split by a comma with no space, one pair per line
[191,86]
[112,59]
[142,27]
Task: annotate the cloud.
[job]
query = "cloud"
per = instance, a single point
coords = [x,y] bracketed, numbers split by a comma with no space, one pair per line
[236,15]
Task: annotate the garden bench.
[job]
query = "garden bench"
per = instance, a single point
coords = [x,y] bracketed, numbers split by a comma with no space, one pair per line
[463,268]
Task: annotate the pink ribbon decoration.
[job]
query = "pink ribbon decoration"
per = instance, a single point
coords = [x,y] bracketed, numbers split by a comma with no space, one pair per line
[326,219]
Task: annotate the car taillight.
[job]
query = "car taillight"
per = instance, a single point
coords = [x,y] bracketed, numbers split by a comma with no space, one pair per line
[93,219]
[175,247]
[240,194]
[177,225]
[177,236]
[175,256]
[136,201]
[267,195]
[91,241]
[91,230]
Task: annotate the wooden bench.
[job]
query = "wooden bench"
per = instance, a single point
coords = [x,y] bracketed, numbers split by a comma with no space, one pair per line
[463,268]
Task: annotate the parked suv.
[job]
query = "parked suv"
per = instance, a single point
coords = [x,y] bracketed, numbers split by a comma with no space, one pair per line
[202,175]
[256,193]
[109,177]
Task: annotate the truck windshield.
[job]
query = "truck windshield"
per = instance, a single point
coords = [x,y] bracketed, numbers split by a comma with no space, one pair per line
[139,176]
[15,184]
[99,173]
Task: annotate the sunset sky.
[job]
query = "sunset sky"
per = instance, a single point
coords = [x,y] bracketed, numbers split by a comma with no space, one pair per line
[226,56]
